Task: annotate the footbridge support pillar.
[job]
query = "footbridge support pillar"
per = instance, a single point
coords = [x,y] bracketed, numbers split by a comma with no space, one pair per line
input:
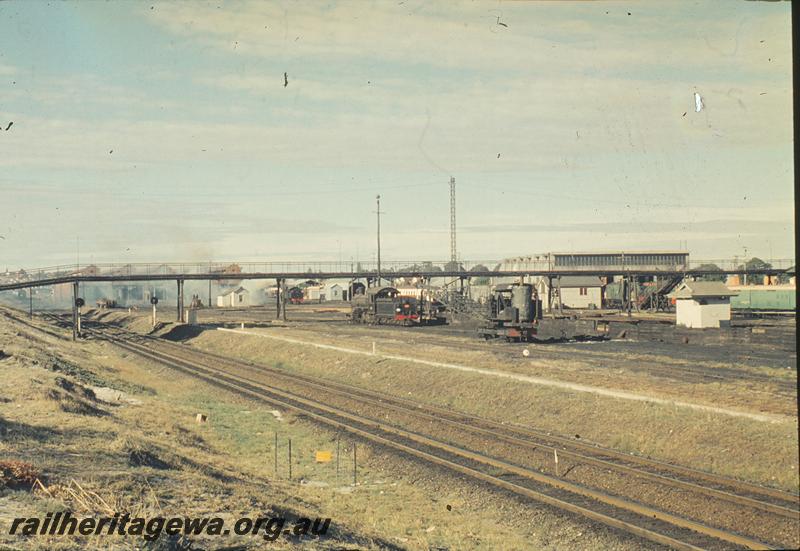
[181,315]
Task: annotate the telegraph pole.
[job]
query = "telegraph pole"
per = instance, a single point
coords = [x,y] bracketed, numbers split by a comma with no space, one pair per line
[453,255]
[378,212]
[74,310]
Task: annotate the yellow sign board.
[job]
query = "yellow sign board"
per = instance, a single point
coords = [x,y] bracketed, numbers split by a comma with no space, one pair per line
[323,456]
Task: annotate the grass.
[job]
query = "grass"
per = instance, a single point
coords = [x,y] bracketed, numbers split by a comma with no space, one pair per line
[765,453]
[225,465]
[591,365]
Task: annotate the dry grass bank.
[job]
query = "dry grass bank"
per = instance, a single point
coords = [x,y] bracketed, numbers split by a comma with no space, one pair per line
[140,449]
[766,453]
[590,365]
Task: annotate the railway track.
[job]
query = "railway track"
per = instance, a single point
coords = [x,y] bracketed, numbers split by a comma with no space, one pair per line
[265,316]
[672,371]
[684,373]
[678,372]
[724,488]
[733,497]
[15,316]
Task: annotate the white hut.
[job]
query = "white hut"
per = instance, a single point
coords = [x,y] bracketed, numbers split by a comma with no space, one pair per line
[313,293]
[701,304]
[333,292]
[576,291]
[235,298]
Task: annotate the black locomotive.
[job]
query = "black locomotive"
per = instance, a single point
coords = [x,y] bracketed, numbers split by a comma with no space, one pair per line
[514,313]
[386,305]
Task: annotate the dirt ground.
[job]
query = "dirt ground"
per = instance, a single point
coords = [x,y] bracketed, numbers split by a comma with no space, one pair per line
[763,452]
[106,432]
[758,386]
[751,383]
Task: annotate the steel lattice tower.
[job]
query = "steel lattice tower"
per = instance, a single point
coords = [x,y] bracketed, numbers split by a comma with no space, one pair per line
[452,219]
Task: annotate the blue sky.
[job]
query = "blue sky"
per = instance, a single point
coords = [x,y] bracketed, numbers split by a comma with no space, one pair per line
[163,131]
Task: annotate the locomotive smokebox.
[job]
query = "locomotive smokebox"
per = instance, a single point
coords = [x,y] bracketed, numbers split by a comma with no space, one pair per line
[514,312]
[522,301]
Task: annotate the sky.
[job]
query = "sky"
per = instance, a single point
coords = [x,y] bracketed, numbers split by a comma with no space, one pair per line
[192,131]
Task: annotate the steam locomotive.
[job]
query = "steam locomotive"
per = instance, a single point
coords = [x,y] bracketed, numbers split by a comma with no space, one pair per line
[388,305]
[514,313]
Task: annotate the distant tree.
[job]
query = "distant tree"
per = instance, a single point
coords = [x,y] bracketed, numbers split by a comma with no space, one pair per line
[480,280]
[711,277]
[754,263]
[453,266]
[786,276]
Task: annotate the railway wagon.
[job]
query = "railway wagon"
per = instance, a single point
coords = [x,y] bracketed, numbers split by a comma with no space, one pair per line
[779,298]
[773,298]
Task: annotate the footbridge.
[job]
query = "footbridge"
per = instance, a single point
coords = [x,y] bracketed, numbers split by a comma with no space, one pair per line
[370,272]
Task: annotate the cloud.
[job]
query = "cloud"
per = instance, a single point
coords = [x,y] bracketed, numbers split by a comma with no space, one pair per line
[556,98]
[572,37]
[533,85]
[566,116]
[708,227]
[567,122]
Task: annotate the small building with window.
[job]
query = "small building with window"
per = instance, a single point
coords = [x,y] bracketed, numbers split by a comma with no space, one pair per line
[313,293]
[576,292]
[702,304]
[334,292]
[234,298]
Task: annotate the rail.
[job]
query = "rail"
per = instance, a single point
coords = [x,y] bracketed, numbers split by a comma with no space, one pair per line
[638,518]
